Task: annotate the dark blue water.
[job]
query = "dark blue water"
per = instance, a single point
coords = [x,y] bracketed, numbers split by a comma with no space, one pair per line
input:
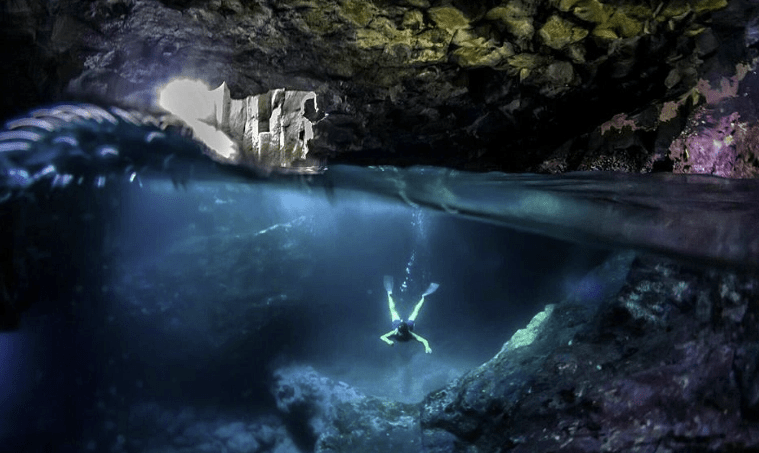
[156,319]
[186,301]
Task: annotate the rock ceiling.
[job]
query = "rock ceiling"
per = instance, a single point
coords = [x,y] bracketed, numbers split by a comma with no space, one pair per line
[523,85]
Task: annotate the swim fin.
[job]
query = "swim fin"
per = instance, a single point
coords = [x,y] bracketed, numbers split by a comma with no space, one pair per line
[431,289]
[389,284]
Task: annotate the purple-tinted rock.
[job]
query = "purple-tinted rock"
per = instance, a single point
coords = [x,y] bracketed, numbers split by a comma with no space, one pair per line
[668,364]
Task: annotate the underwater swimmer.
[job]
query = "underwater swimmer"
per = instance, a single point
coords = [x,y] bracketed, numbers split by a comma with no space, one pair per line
[403,330]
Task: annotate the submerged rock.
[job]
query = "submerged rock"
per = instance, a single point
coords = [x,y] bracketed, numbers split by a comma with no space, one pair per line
[329,416]
[155,428]
[668,362]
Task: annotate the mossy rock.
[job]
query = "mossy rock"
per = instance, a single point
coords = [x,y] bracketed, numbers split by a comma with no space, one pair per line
[483,55]
[526,336]
[504,13]
[624,25]
[518,21]
[566,5]
[557,33]
[526,60]
[358,11]
[605,34]
[448,18]
[705,6]
[560,73]
[673,10]
[576,52]
[322,21]
[524,64]
[639,12]
[592,11]
[466,38]
[694,30]
[413,20]
[368,39]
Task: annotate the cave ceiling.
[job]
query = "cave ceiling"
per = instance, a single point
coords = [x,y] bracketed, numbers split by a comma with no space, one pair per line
[523,85]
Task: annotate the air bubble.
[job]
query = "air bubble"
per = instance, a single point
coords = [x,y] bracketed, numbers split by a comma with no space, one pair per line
[62,180]
[44,172]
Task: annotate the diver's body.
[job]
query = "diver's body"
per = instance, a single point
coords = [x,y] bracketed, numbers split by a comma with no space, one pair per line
[404,330]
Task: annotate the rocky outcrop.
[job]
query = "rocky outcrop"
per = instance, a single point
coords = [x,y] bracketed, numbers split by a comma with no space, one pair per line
[514,86]
[328,416]
[665,360]
[667,364]
[646,355]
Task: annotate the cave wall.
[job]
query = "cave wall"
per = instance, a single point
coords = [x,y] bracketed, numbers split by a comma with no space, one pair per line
[517,86]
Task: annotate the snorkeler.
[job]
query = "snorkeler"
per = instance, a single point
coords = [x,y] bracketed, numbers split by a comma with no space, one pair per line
[403,330]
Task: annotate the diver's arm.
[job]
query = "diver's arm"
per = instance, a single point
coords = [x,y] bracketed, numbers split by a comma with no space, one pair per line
[386,338]
[422,341]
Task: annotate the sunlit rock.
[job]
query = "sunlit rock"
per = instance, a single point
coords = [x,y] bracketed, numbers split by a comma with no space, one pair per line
[525,337]
[268,131]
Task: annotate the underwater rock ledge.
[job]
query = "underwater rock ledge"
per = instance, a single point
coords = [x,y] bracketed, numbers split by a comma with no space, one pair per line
[328,416]
[667,364]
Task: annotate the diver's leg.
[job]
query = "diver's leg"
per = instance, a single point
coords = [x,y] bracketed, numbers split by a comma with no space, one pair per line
[390,302]
[393,312]
[430,289]
[423,342]
[416,310]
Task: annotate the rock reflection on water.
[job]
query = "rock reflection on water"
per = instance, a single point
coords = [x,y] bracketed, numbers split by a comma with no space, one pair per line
[696,216]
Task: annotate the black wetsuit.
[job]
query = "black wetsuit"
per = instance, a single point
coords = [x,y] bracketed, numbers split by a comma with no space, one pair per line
[402,330]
